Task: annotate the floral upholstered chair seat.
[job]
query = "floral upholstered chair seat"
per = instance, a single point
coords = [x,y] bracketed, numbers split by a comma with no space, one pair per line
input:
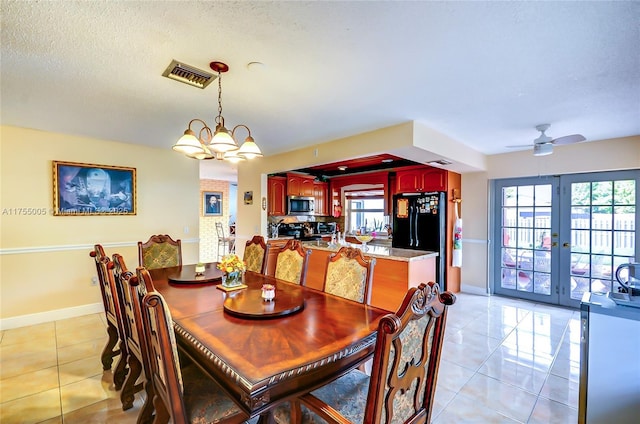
[289,266]
[292,262]
[160,251]
[160,256]
[255,253]
[349,274]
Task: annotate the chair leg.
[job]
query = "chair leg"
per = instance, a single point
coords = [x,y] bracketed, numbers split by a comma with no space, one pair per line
[162,415]
[296,412]
[266,418]
[145,416]
[129,388]
[120,373]
[108,352]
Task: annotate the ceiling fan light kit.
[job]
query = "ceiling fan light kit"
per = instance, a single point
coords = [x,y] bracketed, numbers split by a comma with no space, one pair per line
[219,144]
[542,149]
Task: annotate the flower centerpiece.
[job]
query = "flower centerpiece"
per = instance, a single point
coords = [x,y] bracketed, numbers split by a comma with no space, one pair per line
[232,267]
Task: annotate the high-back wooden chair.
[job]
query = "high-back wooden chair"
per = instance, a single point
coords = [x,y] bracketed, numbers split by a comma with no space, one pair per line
[131,294]
[349,274]
[255,254]
[405,368]
[160,251]
[182,395]
[116,344]
[292,261]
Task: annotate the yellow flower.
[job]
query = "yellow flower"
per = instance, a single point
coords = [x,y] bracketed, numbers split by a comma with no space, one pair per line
[231,263]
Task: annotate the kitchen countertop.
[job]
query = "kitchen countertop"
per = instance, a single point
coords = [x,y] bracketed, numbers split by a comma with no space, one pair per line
[376,251]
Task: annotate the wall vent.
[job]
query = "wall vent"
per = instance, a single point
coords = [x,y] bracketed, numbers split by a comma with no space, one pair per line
[442,162]
[188,74]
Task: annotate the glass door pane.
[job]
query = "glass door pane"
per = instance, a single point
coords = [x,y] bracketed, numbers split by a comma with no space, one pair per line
[524,254]
[600,232]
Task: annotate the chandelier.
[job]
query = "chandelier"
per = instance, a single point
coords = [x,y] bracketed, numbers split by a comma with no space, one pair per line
[219,144]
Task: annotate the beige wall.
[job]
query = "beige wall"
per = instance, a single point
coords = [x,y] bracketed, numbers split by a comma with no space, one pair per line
[607,155]
[44,259]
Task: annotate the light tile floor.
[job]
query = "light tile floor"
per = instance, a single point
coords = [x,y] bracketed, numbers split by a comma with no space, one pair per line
[504,361]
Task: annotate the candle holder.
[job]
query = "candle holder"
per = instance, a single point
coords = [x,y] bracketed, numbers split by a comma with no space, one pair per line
[268,292]
[200,269]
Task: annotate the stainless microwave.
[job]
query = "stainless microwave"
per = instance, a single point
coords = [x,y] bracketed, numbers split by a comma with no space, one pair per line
[298,205]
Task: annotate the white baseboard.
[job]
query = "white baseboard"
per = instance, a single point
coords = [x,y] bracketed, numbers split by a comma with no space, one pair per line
[40,317]
[467,288]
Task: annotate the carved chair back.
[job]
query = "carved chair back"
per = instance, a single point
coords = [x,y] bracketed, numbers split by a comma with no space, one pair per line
[163,362]
[349,274]
[292,262]
[131,322]
[255,254]
[160,251]
[112,309]
[131,293]
[197,398]
[407,357]
[404,373]
[108,298]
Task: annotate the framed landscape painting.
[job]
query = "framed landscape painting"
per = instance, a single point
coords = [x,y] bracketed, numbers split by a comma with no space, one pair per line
[212,203]
[89,189]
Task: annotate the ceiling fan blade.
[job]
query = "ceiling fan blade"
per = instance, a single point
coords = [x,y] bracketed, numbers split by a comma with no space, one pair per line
[518,146]
[569,139]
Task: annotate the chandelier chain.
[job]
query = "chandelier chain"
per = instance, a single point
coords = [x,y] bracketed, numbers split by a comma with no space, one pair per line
[219,117]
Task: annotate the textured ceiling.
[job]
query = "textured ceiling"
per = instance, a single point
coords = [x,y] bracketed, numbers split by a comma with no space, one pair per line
[483,73]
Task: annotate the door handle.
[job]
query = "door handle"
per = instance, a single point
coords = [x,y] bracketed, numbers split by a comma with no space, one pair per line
[566,244]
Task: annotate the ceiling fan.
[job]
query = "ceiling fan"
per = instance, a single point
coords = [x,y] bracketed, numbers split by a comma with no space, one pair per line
[543,145]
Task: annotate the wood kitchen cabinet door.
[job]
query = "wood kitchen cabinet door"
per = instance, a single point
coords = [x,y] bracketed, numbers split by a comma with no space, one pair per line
[421,180]
[434,180]
[321,195]
[408,181]
[276,189]
[298,185]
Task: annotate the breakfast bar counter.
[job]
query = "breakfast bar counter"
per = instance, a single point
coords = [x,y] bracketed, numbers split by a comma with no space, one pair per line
[375,251]
[396,270]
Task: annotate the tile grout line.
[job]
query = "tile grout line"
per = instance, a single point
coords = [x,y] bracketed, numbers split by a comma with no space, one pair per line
[55,330]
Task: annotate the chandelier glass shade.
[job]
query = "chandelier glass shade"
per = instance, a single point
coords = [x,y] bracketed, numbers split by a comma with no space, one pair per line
[219,144]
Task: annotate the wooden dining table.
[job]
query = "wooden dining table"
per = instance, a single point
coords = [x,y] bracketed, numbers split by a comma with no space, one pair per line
[264,360]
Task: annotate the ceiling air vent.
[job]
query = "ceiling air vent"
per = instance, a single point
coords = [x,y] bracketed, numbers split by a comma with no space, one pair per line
[188,74]
[442,162]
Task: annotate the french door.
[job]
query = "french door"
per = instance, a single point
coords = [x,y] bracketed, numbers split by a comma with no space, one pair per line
[527,238]
[558,237]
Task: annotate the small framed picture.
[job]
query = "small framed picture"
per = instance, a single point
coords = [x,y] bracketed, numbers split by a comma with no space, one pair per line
[248,197]
[212,203]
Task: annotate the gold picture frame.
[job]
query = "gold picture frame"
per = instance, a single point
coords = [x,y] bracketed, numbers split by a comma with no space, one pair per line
[90,189]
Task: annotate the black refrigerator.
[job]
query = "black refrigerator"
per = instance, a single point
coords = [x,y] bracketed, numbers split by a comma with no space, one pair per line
[419,223]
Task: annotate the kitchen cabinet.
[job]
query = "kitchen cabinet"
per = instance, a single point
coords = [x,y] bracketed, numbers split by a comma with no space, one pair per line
[424,179]
[299,185]
[321,195]
[276,189]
